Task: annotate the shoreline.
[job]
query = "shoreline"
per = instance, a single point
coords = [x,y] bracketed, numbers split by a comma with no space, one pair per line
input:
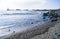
[37,30]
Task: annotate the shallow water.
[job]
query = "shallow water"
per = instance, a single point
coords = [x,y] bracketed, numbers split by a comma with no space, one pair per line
[10,23]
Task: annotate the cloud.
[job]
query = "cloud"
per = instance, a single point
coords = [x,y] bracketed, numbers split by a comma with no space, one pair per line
[29,4]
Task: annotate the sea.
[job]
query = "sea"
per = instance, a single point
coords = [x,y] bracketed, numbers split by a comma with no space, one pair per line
[17,21]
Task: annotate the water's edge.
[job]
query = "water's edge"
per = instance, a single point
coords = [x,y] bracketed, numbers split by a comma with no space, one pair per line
[39,29]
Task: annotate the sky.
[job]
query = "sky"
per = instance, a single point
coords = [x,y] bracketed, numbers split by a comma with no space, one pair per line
[29,4]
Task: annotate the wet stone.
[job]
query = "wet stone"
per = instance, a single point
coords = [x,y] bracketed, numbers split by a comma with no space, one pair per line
[13,31]
[9,30]
[54,38]
[55,33]
[58,35]
[31,22]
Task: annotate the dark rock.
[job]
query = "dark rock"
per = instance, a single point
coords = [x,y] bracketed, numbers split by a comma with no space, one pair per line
[53,20]
[45,14]
[56,33]
[31,22]
[44,17]
[13,31]
[54,38]
[9,30]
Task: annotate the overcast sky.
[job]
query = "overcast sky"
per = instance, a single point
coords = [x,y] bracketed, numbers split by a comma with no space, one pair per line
[29,4]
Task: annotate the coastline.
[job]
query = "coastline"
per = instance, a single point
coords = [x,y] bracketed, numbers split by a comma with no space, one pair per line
[29,33]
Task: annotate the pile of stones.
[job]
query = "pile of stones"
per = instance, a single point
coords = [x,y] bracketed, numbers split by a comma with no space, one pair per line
[52,16]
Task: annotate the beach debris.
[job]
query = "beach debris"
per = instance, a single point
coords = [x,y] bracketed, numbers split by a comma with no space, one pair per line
[13,31]
[31,22]
[56,33]
[9,30]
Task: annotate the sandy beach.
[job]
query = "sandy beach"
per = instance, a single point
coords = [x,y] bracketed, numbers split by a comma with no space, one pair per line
[53,33]
[33,33]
